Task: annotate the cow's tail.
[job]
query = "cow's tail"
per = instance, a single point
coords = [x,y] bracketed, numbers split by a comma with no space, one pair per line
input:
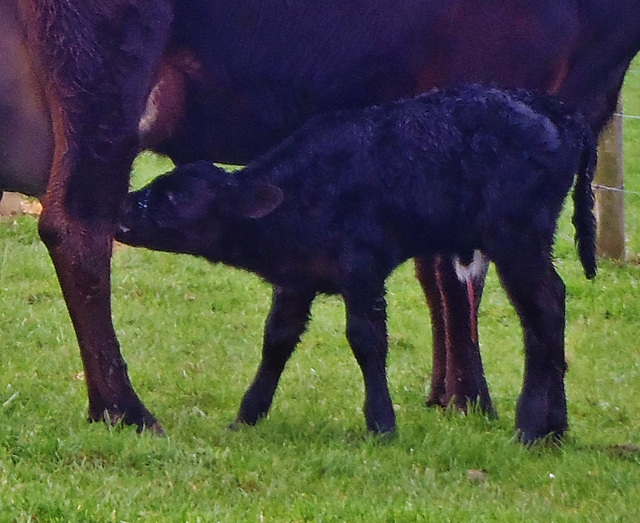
[583,202]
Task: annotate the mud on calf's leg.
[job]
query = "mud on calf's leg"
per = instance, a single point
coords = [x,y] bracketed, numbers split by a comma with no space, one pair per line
[285,324]
[458,374]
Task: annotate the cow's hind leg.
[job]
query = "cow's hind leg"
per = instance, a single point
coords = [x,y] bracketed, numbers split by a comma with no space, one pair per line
[287,321]
[538,294]
[98,58]
[458,375]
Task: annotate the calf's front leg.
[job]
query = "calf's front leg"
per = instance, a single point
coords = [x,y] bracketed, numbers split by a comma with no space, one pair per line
[285,324]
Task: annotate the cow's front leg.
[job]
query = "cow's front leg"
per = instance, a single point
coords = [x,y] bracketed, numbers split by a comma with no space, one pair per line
[458,375]
[425,271]
[98,59]
[367,335]
[285,324]
[81,257]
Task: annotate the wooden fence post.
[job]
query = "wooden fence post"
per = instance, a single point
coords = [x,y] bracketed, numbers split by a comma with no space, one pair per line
[609,180]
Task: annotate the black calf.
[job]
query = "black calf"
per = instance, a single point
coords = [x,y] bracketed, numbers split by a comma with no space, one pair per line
[351,195]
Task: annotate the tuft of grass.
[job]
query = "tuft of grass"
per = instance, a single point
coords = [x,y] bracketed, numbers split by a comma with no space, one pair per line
[191,334]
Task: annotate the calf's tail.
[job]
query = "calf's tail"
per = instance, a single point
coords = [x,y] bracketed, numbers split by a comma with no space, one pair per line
[583,202]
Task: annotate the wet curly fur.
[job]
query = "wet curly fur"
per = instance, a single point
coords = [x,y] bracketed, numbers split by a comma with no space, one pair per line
[351,195]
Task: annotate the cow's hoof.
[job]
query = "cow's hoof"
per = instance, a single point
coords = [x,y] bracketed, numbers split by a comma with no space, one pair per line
[436,399]
[142,420]
[155,428]
[464,404]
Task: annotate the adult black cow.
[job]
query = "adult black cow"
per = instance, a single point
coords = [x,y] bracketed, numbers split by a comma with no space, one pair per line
[226,80]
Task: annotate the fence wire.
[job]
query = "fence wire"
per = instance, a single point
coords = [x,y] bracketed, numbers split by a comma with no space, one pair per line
[627,116]
[620,189]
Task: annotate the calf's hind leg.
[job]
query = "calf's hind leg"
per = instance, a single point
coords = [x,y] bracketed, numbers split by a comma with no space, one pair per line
[285,324]
[538,294]
[367,335]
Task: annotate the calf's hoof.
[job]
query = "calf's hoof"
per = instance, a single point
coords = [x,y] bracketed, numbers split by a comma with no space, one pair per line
[236,425]
[529,434]
[536,421]
[380,424]
[383,438]
[529,439]
[242,421]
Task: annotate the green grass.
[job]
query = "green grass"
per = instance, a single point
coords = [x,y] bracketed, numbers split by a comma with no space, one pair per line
[191,333]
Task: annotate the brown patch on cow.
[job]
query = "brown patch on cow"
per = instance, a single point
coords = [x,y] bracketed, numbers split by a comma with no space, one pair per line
[561,71]
[166,101]
[429,78]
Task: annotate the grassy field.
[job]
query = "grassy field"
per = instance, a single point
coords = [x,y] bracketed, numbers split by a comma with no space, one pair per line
[191,333]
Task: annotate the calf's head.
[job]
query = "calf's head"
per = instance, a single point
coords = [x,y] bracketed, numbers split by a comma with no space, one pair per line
[188,209]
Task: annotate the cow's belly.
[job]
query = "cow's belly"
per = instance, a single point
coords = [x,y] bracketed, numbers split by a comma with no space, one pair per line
[26,140]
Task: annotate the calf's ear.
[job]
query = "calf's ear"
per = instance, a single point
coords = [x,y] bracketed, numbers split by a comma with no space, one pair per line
[255,201]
